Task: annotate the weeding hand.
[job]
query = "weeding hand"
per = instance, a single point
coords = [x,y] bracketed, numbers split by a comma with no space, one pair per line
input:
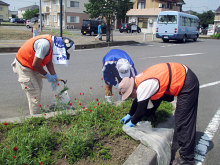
[126,119]
[130,124]
[50,77]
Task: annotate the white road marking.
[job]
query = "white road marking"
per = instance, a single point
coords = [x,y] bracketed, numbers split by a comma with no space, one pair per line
[4,54]
[191,54]
[202,148]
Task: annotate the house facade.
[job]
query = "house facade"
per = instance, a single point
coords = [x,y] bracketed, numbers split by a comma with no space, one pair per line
[217,17]
[72,13]
[22,10]
[145,12]
[4,12]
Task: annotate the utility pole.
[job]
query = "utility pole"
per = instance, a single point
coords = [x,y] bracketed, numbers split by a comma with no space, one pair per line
[61,18]
[40,18]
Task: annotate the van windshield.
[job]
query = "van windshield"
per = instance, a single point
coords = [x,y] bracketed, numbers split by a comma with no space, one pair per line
[167,19]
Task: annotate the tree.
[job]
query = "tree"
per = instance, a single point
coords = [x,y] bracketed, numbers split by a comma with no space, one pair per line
[206,18]
[30,13]
[123,7]
[106,9]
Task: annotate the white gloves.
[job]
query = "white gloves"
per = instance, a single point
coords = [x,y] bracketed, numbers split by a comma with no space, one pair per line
[109,99]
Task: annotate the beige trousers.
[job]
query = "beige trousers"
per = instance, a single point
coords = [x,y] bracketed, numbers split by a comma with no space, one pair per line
[32,83]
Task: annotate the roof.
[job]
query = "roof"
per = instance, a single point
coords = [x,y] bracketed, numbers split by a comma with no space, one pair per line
[29,7]
[3,3]
[218,10]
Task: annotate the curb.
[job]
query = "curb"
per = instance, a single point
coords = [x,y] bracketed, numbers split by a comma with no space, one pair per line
[77,47]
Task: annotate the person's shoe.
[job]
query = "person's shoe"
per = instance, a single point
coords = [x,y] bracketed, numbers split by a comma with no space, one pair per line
[182,161]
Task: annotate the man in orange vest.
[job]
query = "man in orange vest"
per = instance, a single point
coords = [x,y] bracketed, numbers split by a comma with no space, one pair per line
[162,82]
[34,54]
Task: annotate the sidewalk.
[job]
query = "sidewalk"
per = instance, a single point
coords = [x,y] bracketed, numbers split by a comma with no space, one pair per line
[85,42]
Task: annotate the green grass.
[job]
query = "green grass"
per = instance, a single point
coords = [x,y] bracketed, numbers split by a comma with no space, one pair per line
[72,137]
[217,36]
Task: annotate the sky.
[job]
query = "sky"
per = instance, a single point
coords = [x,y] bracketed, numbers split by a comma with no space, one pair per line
[199,6]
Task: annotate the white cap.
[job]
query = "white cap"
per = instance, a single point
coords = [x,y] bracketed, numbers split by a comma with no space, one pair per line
[123,67]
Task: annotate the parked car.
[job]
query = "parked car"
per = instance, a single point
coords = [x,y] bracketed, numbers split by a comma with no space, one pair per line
[127,27]
[18,20]
[91,27]
[30,23]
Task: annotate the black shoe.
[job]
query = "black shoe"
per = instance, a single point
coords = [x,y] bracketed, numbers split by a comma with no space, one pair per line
[182,161]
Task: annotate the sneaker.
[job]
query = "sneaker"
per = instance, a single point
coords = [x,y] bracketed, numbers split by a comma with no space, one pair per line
[182,161]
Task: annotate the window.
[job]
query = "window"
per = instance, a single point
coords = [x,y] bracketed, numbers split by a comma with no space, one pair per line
[163,6]
[1,8]
[167,19]
[142,22]
[74,4]
[141,5]
[1,16]
[168,5]
[171,6]
[55,18]
[73,19]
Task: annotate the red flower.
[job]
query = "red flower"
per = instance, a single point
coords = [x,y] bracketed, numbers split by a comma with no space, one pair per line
[35,97]
[90,110]
[84,107]
[83,93]
[101,78]
[97,103]
[25,87]
[25,164]
[15,148]
[39,105]
[111,110]
[58,84]
[112,94]
[5,123]
[75,98]
[79,103]
[97,99]
[80,93]
[74,134]
[45,114]
[70,103]
[84,132]
[14,157]
[102,86]
[55,95]
[47,105]
[115,88]
[100,115]
[41,162]
[94,106]
[90,87]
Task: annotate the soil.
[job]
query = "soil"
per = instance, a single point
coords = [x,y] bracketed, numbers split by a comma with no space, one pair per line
[121,150]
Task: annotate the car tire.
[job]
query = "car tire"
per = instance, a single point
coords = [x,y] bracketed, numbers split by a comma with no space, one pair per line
[139,30]
[92,33]
[28,26]
[195,39]
[120,31]
[128,31]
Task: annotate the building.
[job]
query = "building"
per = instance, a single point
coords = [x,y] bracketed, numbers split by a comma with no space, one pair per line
[4,12]
[72,13]
[145,12]
[217,17]
[22,10]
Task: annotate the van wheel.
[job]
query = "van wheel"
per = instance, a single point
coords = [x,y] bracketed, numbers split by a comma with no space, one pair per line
[84,33]
[184,39]
[92,33]
[195,39]
[28,26]
[128,31]
[139,30]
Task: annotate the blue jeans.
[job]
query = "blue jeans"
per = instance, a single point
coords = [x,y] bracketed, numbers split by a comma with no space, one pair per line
[35,33]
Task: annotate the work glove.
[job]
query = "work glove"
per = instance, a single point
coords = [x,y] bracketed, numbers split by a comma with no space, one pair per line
[126,119]
[109,99]
[130,124]
[50,77]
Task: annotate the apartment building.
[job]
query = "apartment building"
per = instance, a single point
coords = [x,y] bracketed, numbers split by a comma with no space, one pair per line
[72,13]
[4,13]
[22,10]
[145,12]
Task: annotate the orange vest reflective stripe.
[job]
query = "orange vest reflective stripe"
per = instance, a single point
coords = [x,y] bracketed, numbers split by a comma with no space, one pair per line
[26,53]
[161,73]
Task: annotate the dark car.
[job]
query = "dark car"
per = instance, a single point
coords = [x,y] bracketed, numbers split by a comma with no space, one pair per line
[127,27]
[18,20]
[91,27]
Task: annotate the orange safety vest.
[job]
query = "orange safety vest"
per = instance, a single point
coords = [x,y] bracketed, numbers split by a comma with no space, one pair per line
[26,53]
[172,77]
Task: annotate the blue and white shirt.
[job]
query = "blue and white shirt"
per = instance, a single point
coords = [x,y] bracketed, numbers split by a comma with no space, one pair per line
[109,62]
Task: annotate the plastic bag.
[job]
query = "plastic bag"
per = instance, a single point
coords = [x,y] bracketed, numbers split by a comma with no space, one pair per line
[159,139]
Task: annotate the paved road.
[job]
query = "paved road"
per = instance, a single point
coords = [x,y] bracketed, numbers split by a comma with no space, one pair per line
[84,71]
